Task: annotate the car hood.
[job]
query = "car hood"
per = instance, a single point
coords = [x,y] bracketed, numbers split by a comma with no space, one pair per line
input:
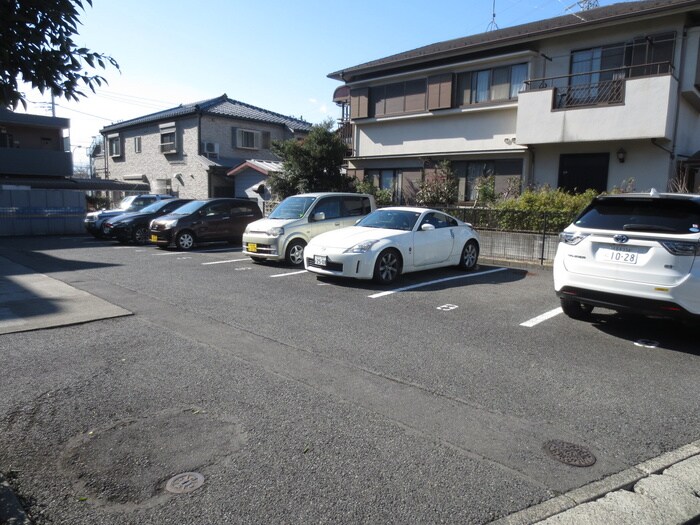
[102,214]
[262,225]
[348,237]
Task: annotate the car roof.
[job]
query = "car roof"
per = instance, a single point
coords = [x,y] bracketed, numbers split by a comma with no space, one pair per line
[415,209]
[327,193]
[653,194]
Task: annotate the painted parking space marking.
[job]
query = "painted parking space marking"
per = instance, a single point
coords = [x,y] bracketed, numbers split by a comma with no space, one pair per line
[288,273]
[437,281]
[541,318]
[447,307]
[226,261]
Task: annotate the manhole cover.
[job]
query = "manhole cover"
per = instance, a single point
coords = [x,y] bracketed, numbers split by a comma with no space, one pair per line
[184,483]
[569,453]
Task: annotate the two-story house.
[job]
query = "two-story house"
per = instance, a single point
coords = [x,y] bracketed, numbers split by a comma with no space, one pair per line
[587,100]
[213,148]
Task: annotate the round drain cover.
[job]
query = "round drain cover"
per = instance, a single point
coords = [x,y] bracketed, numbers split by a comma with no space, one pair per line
[569,453]
[185,482]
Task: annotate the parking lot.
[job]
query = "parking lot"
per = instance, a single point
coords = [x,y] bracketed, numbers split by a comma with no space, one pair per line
[314,399]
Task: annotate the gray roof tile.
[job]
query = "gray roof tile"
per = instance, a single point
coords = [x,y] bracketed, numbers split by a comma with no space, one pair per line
[222,106]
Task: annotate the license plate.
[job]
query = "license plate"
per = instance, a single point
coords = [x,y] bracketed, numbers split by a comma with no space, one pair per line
[320,260]
[154,238]
[621,254]
[252,247]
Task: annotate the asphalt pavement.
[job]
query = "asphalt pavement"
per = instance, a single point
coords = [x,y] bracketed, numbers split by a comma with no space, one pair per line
[665,489]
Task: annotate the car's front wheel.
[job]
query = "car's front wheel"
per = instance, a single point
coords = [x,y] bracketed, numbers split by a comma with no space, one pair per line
[470,256]
[295,252]
[184,240]
[575,309]
[388,267]
[141,234]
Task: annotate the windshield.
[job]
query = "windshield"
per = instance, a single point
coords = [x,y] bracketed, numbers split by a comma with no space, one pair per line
[390,220]
[643,215]
[292,208]
[155,206]
[190,207]
[126,202]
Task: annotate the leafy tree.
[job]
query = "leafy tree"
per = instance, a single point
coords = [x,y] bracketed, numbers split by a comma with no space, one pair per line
[441,189]
[382,197]
[312,164]
[36,45]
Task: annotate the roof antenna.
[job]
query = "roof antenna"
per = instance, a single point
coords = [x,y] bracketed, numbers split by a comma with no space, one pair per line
[493,25]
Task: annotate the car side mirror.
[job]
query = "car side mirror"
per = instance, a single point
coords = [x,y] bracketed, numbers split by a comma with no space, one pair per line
[320,216]
[427,227]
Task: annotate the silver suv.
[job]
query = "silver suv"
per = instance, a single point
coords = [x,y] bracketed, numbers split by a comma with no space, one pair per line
[638,253]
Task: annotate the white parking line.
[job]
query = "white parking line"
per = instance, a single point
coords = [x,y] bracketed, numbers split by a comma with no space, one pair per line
[420,285]
[227,261]
[288,273]
[540,318]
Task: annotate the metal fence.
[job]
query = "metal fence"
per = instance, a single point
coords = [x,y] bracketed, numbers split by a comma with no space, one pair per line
[515,235]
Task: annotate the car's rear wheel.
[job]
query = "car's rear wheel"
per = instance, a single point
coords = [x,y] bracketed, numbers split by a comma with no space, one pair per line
[388,267]
[184,240]
[575,309]
[470,256]
[295,252]
[141,234]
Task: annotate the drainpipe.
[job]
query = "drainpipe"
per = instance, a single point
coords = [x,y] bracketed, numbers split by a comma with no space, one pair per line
[672,156]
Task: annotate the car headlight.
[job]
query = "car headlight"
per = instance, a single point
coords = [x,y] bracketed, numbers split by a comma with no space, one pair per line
[572,238]
[275,232]
[169,223]
[362,247]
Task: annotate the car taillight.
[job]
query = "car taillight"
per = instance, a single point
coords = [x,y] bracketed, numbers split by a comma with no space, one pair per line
[572,238]
[681,247]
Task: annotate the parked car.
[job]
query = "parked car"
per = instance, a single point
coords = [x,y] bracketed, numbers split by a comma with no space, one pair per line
[393,241]
[296,220]
[636,253]
[95,220]
[204,221]
[133,226]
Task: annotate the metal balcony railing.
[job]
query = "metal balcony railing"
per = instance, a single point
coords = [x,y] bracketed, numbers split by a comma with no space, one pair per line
[587,89]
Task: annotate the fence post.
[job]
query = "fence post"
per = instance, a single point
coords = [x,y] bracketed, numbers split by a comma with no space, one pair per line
[544,238]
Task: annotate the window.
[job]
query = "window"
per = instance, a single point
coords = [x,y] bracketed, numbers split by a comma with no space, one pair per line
[115,146]
[401,97]
[248,139]
[330,206]
[487,85]
[137,144]
[356,206]
[506,173]
[168,138]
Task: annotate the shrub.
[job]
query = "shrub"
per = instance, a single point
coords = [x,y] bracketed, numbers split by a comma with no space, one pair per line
[439,190]
[381,197]
[544,207]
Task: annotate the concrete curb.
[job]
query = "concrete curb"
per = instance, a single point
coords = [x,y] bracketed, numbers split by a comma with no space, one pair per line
[11,511]
[622,481]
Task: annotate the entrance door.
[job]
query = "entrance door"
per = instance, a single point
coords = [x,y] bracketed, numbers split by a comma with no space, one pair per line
[579,172]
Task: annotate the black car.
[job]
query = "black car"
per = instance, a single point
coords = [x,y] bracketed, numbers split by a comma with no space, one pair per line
[204,221]
[133,227]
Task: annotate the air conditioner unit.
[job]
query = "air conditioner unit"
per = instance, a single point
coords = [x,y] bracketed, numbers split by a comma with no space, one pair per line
[211,150]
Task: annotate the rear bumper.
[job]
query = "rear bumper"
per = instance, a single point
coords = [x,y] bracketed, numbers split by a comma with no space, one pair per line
[625,303]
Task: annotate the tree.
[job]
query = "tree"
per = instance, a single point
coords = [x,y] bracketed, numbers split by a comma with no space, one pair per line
[312,164]
[36,45]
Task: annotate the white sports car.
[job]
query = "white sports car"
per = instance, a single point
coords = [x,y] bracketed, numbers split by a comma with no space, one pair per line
[392,241]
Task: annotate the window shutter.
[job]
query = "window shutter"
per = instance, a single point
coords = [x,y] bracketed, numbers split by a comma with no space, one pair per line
[266,140]
[359,103]
[440,91]
[256,139]
[234,138]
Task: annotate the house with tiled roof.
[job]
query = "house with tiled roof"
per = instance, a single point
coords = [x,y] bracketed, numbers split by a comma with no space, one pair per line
[213,148]
[595,99]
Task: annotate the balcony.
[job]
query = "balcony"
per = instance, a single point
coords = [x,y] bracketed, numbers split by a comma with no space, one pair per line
[636,102]
[31,162]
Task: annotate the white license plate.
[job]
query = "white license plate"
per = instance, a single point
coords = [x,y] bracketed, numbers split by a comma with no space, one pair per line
[620,254]
[320,260]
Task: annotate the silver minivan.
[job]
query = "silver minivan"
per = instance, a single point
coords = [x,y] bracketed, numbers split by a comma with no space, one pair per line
[283,235]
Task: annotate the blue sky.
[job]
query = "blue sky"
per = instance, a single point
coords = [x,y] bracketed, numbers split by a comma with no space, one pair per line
[275,54]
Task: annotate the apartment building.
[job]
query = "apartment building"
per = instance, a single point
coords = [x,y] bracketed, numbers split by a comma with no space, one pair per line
[594,99]
[214,148]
